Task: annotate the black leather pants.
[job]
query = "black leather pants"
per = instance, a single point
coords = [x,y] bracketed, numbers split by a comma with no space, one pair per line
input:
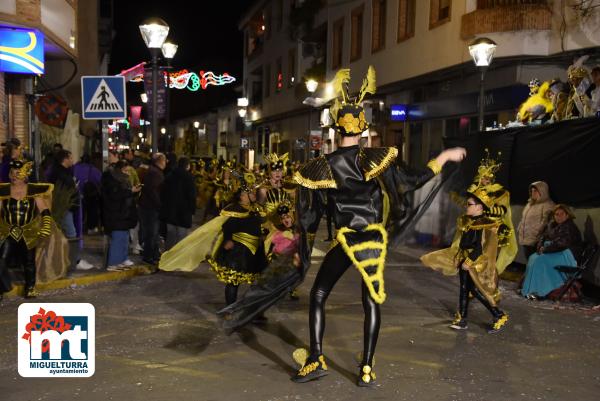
[16,252]
[467,286]
[334,265]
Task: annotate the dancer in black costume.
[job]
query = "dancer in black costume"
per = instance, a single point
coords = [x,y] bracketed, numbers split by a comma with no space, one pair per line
[367,188]
[24,220]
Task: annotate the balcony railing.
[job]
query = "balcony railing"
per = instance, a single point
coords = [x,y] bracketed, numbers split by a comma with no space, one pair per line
[506,16]
[482,4]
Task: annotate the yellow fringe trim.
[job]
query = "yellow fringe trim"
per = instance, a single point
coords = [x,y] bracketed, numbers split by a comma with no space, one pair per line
[379,262]
[231,276]
[383,165]
[311,184]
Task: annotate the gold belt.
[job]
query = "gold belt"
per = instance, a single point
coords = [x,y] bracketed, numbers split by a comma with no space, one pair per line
[248,240]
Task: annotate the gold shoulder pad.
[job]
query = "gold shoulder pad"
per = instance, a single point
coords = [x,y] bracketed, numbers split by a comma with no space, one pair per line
[374,161]
[316,174]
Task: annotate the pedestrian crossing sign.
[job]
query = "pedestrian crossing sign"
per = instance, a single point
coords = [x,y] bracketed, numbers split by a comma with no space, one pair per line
[103,97]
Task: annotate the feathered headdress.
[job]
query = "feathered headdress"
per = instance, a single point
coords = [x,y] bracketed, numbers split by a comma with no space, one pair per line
[347,113]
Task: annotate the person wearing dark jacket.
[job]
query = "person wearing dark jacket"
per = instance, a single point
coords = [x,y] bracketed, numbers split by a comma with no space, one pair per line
[177,211]
[66,202]
[119,213]
[150,204]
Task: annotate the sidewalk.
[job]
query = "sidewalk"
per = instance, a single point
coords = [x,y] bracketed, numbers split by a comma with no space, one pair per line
[94,252]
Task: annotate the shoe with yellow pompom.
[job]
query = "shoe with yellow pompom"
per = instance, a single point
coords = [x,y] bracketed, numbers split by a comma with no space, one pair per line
[313,367]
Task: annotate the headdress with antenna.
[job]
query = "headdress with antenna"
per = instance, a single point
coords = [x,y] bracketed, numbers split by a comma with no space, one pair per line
[347,113]
[276,162]
[488,167]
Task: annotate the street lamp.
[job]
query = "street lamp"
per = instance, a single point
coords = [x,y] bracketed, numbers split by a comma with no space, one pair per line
[196,124]
[154,32]
[311,87]
[242,112]
[482,50]
[168,50]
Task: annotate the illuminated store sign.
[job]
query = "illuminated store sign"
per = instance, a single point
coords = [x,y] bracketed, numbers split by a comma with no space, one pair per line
[21,51]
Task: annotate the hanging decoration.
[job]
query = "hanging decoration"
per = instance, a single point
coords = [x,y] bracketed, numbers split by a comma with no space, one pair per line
[192,81]
[182,79]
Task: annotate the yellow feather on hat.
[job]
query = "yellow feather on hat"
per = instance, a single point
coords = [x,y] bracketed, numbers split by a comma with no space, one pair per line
[369,85]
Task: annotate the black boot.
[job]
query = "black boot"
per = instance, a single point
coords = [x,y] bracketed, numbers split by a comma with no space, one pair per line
[313,368]
[366,376]
[500,321]
[459,322]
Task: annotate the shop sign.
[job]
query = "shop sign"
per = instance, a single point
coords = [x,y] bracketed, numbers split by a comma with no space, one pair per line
[21,51]
[398,112]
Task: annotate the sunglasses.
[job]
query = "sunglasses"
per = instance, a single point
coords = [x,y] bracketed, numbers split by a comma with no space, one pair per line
[471,204]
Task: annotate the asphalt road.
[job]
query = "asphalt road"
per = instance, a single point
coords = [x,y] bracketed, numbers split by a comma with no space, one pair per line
[159,339]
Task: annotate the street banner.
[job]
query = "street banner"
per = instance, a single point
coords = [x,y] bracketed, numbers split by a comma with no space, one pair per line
[161,94]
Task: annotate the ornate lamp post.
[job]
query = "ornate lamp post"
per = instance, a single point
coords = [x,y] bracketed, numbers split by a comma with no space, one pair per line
[154,32]
[482,50]
[168,50]
[311,87]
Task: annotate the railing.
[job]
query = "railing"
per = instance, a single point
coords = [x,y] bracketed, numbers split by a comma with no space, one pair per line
[483,4]
[507,16]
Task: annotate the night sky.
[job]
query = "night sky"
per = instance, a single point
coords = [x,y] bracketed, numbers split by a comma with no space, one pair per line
[208,38]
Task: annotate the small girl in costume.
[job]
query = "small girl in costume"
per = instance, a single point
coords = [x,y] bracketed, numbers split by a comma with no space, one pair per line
[473,256]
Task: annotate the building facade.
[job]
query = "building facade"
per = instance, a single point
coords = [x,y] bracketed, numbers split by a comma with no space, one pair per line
[36,104]
[427,83]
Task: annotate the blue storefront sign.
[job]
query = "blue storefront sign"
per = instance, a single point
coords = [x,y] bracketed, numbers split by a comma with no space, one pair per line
[398,112]
[21,51]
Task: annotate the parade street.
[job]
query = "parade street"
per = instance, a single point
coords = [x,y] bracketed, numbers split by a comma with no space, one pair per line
[157,338]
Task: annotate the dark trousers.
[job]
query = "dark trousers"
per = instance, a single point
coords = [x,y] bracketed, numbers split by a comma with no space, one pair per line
[16,252]
[334,265]
[91,217]
[468,286]
[149,228]
[529,250]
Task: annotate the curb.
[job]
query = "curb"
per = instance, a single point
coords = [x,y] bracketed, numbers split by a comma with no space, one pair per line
[67,282]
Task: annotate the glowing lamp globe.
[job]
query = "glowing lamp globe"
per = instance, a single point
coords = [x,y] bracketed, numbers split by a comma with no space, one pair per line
[169,49]
[482,50]
[311,85]
[154,32]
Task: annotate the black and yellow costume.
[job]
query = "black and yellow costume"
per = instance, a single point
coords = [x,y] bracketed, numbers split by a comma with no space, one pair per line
[475,245]
[498,209]
[279,277]
[366,187]
[242,263]
[21,227]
